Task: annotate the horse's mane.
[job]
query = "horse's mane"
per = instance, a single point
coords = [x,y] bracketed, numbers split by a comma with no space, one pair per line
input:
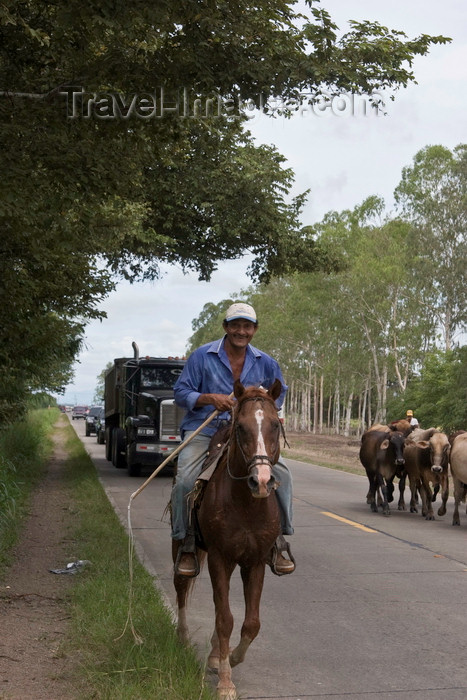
[253,392]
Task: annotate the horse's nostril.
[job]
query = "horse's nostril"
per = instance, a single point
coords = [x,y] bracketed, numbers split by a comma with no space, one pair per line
[252,482]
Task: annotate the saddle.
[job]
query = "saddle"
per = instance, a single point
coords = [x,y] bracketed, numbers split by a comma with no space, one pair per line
[216,449]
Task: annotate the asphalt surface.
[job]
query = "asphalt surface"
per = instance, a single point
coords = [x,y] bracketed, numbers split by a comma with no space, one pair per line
[375,609]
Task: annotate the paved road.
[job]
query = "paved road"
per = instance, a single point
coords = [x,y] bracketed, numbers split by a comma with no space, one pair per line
[376,608]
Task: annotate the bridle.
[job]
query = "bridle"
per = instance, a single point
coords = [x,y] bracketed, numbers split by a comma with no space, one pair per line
[255,460]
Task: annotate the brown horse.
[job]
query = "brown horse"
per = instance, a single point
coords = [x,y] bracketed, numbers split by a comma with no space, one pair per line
[239,521]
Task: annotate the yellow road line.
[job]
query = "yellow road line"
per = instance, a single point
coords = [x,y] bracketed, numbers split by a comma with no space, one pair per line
[349,522]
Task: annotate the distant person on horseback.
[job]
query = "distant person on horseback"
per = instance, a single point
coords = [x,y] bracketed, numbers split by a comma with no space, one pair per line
[205,384]
[412,420]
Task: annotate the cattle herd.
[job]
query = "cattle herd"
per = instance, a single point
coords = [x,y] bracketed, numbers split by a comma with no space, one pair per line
[427,458]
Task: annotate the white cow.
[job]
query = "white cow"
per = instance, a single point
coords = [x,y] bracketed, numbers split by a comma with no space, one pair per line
[458,462]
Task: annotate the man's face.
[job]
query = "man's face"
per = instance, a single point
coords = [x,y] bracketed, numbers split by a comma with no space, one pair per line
[240,332]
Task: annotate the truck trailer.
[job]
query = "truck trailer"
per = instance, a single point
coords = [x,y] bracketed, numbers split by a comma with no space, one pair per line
[142,421]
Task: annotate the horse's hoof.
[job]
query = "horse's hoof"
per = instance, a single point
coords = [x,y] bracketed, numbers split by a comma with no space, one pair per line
[227,693]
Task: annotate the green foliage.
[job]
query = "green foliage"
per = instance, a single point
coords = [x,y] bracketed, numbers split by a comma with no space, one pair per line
[41,399]
[24,449]
[432,195]
[208,325]
[98,398]
[438,396]
[87,197]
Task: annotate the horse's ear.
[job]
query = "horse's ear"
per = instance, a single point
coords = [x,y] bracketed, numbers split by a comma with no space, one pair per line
[274,391]
[239,389]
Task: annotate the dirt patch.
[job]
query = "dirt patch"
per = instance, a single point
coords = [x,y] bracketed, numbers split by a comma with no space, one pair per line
[33,608]
[328,450]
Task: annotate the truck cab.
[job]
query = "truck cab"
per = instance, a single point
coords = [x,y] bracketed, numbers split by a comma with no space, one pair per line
[141,418]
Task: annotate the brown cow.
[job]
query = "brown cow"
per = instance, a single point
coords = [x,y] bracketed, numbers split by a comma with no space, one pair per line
[458,470]
[427,461]
[381,453]
[453,436]
[402,426]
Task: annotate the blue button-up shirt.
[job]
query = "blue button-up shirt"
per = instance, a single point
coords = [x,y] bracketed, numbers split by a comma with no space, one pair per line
[208,371]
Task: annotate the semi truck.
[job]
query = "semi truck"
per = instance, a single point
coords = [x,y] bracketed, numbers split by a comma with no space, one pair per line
[142,421]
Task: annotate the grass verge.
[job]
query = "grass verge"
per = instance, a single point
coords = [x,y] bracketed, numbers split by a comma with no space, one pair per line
[25,448]
[303,457]
[114,666]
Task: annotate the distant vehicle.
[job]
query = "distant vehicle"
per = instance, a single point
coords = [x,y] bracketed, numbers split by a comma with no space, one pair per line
[78,412]
[142,421]
[91,416]
[99,422]
[62,408]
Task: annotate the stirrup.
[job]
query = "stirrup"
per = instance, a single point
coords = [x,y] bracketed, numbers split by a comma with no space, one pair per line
[187,547]
[279,546]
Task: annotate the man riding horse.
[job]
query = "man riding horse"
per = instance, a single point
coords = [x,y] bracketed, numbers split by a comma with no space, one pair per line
[206,383]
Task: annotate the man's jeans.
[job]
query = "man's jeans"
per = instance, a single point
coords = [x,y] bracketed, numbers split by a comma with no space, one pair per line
[190,462]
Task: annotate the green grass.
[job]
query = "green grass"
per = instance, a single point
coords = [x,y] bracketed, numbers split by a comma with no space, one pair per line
[25,448]
[113,666]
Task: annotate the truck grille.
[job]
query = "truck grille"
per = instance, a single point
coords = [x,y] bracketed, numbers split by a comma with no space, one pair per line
[171,417]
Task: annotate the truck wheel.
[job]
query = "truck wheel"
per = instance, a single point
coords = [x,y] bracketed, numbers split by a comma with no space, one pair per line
[118,448]
[108,444]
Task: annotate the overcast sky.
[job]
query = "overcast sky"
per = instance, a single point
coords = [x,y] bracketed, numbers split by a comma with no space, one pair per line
[341,158]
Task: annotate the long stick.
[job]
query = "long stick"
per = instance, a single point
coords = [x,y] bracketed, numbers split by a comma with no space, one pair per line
[176,451]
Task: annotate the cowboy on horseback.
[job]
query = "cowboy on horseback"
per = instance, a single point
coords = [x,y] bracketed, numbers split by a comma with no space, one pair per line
[207,381]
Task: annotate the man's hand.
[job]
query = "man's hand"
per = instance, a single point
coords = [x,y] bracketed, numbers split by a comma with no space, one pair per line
[221,402]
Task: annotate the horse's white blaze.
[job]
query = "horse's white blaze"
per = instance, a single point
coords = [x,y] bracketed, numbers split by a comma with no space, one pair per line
[264,472]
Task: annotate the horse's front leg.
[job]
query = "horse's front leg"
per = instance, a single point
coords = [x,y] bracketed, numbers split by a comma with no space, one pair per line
[253,579]
[220,573]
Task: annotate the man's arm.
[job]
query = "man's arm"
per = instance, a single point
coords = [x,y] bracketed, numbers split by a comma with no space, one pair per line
[221,402]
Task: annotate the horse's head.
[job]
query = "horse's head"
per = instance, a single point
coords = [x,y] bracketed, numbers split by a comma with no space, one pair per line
[256,433]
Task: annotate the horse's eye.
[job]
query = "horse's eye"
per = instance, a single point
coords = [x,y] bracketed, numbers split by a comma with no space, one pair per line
[241,430]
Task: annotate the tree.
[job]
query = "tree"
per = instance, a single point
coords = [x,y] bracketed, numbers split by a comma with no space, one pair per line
[98,398]
[438,396]
[97,185]
[432,195]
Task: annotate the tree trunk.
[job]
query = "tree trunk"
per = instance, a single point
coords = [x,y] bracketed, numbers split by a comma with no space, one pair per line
[348,414]
[321,404]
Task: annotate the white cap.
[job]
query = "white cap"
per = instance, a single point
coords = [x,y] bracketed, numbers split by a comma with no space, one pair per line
[240,310]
